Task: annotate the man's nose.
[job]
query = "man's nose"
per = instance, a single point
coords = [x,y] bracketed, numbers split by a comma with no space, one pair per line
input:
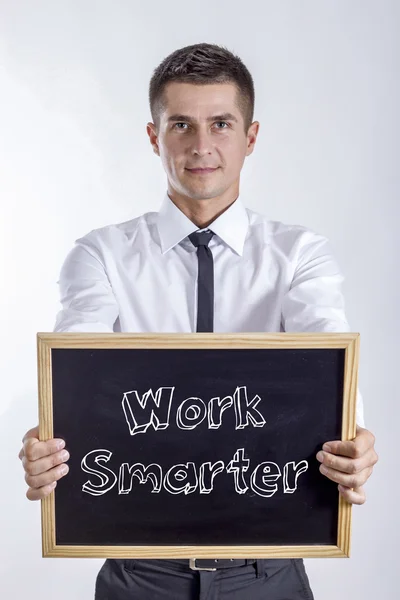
[201,143]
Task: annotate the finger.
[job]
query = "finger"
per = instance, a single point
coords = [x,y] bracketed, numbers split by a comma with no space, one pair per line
[351,481]
[347,465]
[47,478]
[38,494]
[43,465]
[355,448]
[33,449]
[32,433]
[355,496]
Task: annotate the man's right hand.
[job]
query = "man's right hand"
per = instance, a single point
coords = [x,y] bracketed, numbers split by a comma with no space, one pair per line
[43,462]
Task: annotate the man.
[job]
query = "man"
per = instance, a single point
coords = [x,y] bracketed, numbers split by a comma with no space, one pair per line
[203,263]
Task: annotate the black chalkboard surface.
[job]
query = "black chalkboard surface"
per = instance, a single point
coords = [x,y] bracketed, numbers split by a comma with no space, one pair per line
[196,444]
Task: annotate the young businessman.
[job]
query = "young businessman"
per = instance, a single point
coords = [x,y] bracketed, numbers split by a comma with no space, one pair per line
[204,262]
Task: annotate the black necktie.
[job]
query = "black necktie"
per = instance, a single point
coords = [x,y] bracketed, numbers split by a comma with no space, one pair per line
[205,280]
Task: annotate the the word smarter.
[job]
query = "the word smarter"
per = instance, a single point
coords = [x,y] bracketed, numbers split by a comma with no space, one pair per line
[154,410]
[186,478]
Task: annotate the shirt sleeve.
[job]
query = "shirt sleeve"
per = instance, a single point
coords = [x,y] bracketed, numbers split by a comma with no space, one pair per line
[87,299]
[314,301]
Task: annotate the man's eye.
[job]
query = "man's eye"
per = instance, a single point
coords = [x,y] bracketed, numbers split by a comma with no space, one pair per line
[219,122]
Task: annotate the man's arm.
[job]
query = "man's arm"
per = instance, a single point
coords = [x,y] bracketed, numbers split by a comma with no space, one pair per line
[88,305]
[315,303]
[86,296]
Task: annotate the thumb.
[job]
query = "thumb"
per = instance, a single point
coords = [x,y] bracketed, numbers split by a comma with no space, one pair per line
[32,433]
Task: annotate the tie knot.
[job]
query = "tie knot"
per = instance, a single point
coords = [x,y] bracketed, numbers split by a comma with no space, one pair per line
[201,238]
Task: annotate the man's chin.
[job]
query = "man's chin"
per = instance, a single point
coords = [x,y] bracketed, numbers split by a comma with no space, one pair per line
[202,195]
[198,191]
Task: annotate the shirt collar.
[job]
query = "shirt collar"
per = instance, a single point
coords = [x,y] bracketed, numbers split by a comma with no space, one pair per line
[174,226]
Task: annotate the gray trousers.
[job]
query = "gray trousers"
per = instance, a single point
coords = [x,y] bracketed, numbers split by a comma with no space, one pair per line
[160,579]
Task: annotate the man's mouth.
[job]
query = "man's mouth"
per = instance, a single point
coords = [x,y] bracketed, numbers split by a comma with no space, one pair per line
[203,171]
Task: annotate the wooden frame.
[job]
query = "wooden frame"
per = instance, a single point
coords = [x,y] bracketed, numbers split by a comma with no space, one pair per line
[47,341]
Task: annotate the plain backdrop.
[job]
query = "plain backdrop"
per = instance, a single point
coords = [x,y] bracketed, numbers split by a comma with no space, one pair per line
[74,155]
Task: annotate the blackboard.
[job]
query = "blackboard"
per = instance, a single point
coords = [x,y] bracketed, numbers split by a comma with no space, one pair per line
[184,445]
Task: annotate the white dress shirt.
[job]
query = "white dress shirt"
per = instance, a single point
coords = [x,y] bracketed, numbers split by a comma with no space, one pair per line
[141,276]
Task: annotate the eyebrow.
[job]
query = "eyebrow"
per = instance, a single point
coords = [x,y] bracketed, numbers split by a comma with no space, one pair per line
[224,117]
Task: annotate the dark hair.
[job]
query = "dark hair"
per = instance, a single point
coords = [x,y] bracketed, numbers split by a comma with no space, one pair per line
[202,64]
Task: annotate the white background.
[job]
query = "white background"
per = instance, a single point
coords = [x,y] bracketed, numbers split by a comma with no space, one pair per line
[74,155]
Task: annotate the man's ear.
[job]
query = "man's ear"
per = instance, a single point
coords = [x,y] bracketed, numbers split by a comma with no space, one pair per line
[153,135]
[252,137]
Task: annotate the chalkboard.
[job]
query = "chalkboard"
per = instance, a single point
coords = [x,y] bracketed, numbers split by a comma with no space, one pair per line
[196,445]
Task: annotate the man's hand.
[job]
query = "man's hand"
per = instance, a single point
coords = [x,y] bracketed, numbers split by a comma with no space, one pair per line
[41,462]
[350,464]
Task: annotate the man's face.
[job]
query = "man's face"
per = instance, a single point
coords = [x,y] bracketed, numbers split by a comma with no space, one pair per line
[202,127]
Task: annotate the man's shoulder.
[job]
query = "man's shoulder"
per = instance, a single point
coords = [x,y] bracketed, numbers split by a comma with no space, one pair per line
[281,232]
[115,232]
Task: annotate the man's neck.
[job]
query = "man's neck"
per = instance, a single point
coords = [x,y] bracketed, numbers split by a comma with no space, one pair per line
[202,212]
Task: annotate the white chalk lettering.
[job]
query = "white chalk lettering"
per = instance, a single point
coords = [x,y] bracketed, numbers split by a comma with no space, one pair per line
[216,407]
[291,473]
[207,474]
[152,472]
[148,410]
[102,472]
[246,411]
[185,477]
[143,411]
[154,409]
[184,419]
[237,466]
[262,475]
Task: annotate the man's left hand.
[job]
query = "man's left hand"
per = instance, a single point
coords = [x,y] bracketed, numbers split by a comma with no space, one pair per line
[350,464]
